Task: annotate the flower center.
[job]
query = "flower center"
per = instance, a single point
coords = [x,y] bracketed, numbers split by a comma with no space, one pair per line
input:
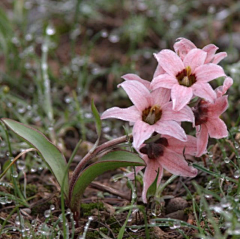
[152,114]
[156,149]
[185,77]
[201,112]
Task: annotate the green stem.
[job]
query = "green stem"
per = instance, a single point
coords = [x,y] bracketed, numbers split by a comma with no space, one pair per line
[92,154]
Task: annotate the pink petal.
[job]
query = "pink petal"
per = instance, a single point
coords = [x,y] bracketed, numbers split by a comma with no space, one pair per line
[137,78]
[194,58]
[202,139]
[219,106]
[165,81]
[183,46]
[205,91]
[170,62]
[185,114]
[181,95]
[189,147]
[176,164]
[150,175]
[221,90]
[170,128]
[208,72]
[132,174]
[160,96]
[218,57]
[210,49]
[130,114]
[141,132]
[159,70]
[216,128]
[137,93]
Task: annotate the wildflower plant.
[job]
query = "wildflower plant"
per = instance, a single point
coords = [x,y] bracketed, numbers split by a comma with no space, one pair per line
[179,92]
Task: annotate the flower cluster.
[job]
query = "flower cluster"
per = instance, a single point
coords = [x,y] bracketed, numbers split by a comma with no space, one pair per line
[160,106]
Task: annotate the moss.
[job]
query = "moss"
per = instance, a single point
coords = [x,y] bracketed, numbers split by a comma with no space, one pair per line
[113,223]
[92,235]
[31,190]
[103,230]
[40,209]
[86,208]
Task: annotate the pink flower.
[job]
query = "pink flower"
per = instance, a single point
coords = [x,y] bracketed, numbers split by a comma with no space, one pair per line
[183,46]
[167,152]
[137,78]
[151,112]
[188,77]
[207,119]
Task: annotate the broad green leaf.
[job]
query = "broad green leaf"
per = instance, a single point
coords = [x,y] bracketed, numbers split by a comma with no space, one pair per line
[49,152]
[110,161]
[153,187]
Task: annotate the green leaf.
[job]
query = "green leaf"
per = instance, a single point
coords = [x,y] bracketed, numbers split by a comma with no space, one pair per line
[97,119]
[153,187]
[110,161]
[49,152]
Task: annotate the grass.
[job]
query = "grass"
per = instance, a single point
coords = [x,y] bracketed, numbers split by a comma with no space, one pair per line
[55,56]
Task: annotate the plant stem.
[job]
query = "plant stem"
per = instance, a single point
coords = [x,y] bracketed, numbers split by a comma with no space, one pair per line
[92,154]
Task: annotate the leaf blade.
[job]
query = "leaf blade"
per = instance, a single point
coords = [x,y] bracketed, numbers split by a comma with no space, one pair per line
[49,152]
[110,161]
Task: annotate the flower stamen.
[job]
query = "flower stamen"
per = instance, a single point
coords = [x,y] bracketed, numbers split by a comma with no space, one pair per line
[152,114]
[185,77]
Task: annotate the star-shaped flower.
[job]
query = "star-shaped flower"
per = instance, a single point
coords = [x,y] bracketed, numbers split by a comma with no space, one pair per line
[207,119]
[151,112]
[167,153]
[188,77]
[183,46]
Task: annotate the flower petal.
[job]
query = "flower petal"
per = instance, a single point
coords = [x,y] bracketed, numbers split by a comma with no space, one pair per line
[218,57]
[195,58]
[160,96]
[176,164]
[170,62]
[219,106]
[137,78]
[137,93]
[221,90]
[141,132]
[164,80]
[216,128]
[181,95]
[208,72]
[210,49]
[130,114]
[170,128]
[185,114]
[159,70]
[204,90]
[131,175]
[189,147]
[202,139]
[150,175]
[183,46]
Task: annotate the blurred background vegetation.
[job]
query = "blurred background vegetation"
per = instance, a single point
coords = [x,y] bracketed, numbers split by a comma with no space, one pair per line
[55,56]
